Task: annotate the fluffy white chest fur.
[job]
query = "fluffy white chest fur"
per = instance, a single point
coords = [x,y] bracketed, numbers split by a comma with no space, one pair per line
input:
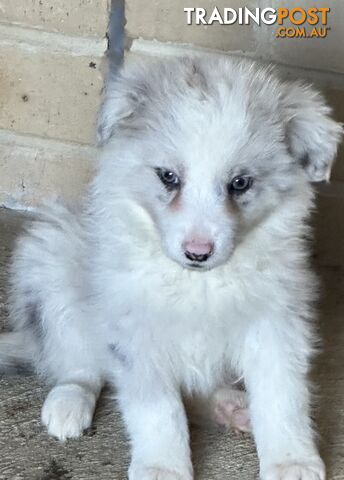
[185,269]
[192,324]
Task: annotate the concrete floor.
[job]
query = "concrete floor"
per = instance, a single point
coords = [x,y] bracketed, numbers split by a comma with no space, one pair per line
[26,451]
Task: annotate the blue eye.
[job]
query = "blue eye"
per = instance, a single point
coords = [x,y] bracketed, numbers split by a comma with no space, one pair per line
[240,184]
[168,178]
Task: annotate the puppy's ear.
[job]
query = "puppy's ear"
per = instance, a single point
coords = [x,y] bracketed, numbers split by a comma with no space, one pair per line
[123,100]
[311,134]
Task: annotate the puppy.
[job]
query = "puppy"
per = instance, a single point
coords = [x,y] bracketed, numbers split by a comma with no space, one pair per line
[186,269]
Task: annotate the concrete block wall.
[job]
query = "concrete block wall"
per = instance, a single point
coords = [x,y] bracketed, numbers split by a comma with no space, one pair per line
[51,55]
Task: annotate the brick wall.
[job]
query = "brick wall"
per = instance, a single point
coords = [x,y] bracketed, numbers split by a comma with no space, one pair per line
[50,77]
[50,82]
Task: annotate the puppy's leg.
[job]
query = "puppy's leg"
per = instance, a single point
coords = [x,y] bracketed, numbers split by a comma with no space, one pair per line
[49,307]
[229,409]
[157,425]
[275,369]
[71,359]
[226,407]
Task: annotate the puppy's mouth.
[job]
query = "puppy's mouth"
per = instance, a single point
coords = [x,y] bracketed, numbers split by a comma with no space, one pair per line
[195,266]
[204,267]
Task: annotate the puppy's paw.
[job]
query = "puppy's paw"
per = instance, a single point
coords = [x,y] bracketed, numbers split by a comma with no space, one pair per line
[155,473]
[229,409]
[307,470]
[68,410]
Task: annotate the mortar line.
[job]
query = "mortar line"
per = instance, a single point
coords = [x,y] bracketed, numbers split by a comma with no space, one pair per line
[35,40]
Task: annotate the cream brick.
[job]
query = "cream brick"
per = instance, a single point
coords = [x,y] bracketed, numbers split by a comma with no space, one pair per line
[76,17]
[49,95]
[166,21]
[33,170]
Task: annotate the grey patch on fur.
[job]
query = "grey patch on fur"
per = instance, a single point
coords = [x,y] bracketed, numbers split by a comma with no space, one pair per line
[118,354]
[198,81]
[34,322]
[15,367]
[30,313]
[14,358]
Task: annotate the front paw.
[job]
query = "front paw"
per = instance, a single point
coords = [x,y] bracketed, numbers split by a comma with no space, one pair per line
[298,470]
[155,473]
[68,410]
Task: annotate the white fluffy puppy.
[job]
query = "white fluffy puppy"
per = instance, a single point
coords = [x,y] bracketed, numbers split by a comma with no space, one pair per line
[186,268]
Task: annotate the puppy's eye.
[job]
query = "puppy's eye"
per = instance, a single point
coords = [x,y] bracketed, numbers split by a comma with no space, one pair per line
[168,178]
[240,184]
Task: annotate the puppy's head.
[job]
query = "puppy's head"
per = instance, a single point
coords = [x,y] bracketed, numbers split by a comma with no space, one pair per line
[211,147]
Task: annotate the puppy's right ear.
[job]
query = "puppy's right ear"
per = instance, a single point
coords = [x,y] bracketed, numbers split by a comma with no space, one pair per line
[312,135]
[122,102]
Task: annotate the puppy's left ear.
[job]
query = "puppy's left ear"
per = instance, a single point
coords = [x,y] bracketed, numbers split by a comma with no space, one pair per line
[312,135]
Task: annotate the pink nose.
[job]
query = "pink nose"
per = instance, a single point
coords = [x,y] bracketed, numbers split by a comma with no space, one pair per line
[198,250]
